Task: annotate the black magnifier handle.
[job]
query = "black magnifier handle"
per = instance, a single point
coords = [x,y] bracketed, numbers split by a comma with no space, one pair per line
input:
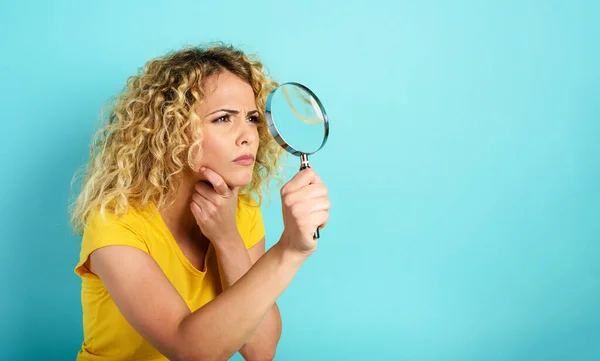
[303,165]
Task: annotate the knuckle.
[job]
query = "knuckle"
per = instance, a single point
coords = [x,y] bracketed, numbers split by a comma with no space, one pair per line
[323,189]
[288,202]
[296,211]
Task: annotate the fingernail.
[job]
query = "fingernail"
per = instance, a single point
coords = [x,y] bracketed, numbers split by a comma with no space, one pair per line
[202,169]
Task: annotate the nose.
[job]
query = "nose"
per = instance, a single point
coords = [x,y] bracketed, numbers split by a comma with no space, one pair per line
[247,134]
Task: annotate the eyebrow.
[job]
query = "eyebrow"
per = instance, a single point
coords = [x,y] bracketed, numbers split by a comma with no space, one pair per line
[231,111]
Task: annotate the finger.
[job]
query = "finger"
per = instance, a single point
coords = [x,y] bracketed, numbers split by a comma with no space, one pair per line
[305,209]
[197,211]
[317,205]
[309,192]
[216,180]
[301,179]
[205,189]
[323,225]
[319,219]
[205,205]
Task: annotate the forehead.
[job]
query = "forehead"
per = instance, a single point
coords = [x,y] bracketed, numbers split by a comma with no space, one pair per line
[226,88]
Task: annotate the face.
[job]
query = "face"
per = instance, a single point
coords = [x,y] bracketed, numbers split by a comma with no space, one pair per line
[230,128]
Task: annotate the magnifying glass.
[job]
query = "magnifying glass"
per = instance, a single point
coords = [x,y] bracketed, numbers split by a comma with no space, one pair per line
[294,110]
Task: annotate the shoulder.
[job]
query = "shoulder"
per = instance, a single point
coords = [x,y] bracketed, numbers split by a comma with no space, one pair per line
[134,220]
[106,228]
[247,203]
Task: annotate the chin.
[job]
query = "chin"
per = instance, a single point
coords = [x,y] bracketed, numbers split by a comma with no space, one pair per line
[238,179]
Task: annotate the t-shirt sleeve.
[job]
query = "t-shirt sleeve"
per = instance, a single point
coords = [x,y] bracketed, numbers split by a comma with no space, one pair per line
[107,230]
[256,230]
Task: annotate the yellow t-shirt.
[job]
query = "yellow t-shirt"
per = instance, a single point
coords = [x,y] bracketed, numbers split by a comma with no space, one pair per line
[107,335]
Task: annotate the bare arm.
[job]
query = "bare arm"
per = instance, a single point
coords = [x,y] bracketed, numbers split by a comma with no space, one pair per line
[151,304]
[234,262]
[217,330]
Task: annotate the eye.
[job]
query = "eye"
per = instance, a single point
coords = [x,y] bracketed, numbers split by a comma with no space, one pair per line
[254,119]
[224,118]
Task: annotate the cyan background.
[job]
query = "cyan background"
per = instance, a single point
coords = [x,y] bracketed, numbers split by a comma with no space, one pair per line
[463,166]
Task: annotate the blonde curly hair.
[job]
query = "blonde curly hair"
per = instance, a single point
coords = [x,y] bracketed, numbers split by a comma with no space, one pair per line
[153,133]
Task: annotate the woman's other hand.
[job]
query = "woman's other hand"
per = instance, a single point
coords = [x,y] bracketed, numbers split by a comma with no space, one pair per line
[305,208]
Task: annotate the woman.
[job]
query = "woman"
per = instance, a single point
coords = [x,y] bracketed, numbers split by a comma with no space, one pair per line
[173,260]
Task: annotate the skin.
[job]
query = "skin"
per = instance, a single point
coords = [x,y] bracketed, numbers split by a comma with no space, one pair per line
[204,211]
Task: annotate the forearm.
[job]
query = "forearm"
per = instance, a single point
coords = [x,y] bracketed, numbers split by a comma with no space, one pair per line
[234,262]
[220,328]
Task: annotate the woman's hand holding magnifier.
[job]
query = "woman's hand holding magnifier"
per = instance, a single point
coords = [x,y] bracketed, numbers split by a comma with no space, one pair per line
[305,207]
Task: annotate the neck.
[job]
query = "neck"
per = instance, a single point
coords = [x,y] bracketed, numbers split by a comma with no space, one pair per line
[178,216]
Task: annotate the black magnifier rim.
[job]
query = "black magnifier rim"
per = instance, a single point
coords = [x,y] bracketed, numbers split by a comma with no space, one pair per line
[275,132]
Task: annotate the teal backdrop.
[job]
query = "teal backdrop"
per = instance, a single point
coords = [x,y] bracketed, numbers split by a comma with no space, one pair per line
[463,166]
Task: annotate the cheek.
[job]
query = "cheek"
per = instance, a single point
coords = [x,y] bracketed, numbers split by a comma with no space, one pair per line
[256,143]
[215,150]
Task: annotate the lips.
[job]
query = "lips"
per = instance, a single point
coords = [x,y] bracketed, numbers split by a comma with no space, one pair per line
[245,159]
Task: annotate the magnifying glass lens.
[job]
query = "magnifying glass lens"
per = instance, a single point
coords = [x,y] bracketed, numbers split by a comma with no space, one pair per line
[297,121]
[298,118]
